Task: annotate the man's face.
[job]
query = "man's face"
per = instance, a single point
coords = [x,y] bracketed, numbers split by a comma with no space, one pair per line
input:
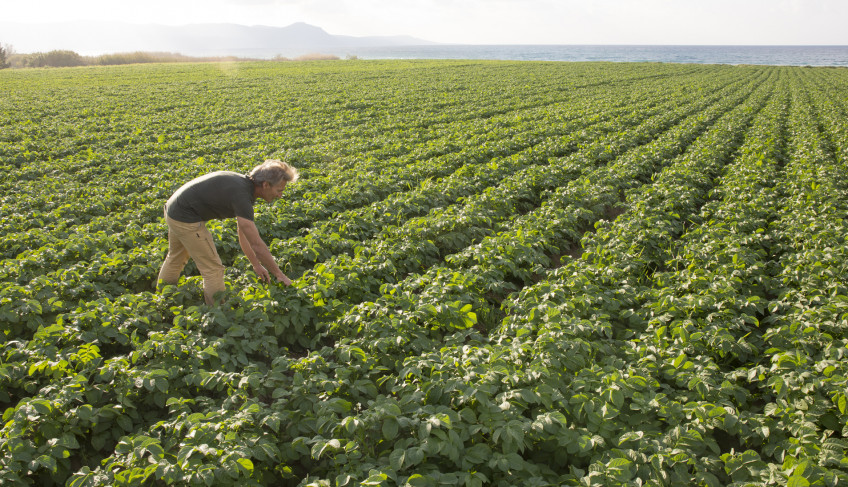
[270,193]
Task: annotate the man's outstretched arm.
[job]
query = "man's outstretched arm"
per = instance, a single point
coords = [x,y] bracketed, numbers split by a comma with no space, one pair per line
[257,252]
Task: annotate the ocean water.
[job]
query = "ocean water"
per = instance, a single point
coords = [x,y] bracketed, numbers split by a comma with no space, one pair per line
[767,55]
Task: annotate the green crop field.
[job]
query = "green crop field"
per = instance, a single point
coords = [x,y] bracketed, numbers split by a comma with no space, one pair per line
[505,274]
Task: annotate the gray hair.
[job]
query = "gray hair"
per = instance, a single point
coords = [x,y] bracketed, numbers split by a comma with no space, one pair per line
[273,171]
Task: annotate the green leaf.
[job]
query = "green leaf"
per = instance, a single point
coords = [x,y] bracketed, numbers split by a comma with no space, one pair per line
[42,406]
[637,382]
[338,405]
[477,454]
[124,422]
[156,450]
[390,428]
[60,452]
[82,478]
[246,464]
[418,480]
[84,412]
[559,417]
[429,309]
[708,479]
[515,462]
[393,409]
[377,478]
[797,481]
[47,462]
[619,463]
[730,420]
[717,411]
[397,459]
[68,440]
[265,449]
[528,396]
[319,448]
[99,441]
[414,456]
[617,398]
[34,306]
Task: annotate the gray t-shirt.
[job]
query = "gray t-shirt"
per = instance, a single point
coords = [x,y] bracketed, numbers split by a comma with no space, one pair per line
[217,195]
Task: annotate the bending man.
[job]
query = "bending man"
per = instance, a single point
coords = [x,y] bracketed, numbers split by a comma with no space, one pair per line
[219,195]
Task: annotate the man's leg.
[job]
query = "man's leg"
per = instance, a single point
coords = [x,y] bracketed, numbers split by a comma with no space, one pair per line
[197,243]
[177,256]
[202,250]
[210,266]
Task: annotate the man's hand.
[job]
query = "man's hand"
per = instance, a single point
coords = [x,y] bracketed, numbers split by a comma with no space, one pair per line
[262,273]
[257,252]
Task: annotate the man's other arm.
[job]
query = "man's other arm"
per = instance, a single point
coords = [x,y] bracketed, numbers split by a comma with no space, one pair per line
[257,251]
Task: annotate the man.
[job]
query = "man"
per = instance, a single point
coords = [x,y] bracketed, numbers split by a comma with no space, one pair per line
[219,195]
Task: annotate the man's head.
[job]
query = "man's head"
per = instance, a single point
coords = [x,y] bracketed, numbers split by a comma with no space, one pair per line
[270,178]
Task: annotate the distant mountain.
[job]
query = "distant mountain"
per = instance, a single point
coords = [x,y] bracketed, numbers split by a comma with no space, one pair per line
[91,38]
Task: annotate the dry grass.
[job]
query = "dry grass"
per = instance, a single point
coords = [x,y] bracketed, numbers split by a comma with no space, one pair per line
[315,56]
[156,57]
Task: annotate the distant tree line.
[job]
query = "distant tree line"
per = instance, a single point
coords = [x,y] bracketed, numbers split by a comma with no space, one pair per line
[5,51]
[59,59]
[65,58]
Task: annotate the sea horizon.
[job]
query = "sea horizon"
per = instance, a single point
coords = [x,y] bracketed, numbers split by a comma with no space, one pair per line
[775,55]
[798,55]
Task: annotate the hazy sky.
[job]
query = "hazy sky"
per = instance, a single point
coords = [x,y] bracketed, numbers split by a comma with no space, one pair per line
[487,21]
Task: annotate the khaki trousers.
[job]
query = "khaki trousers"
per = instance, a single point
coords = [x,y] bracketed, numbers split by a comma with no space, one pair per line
[193,240]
